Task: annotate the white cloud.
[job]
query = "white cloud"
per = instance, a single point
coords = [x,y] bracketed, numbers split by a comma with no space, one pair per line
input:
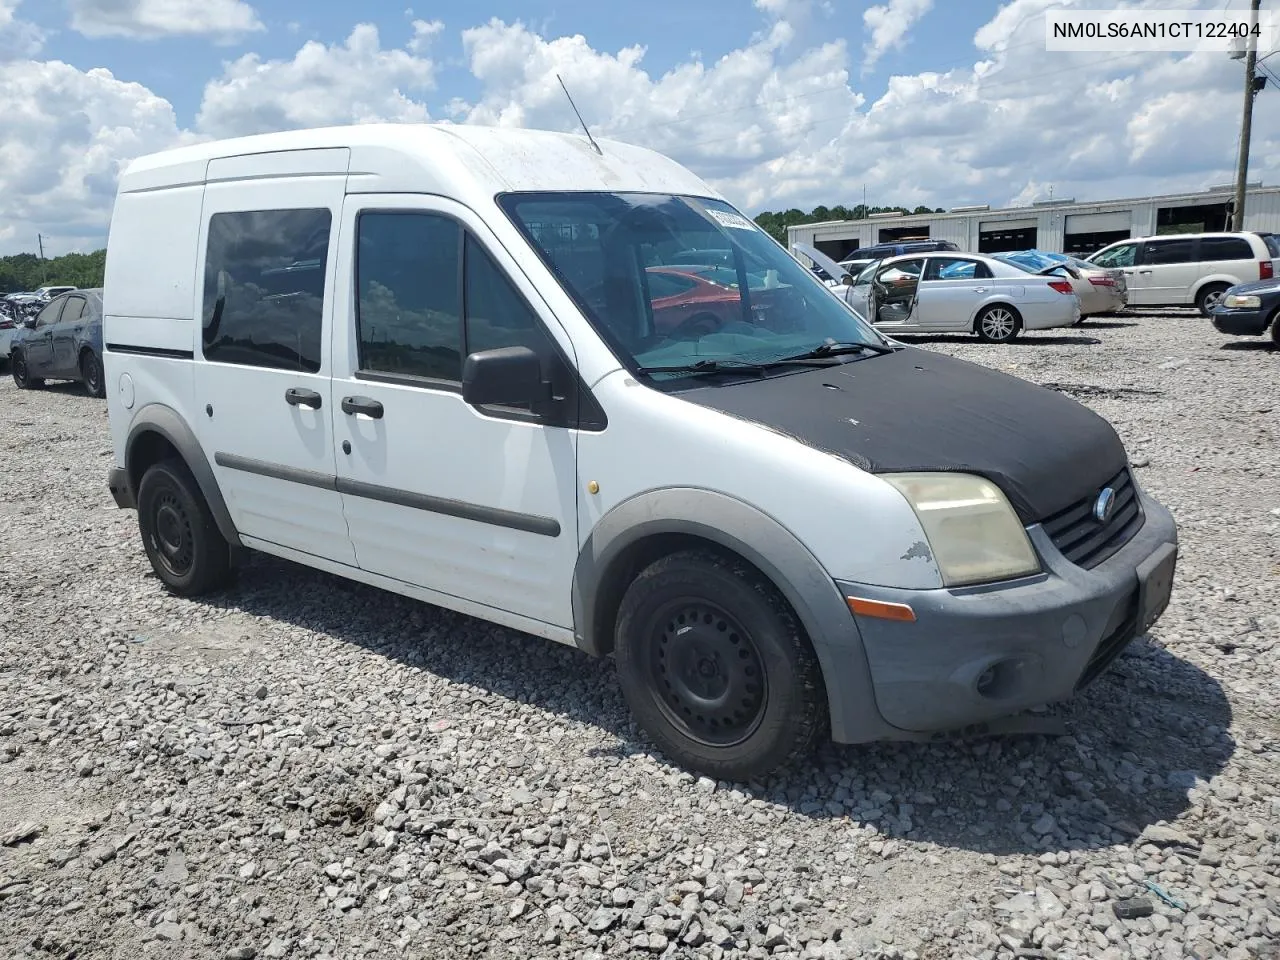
[152,19]
[889,25]
[18,38]
[66,136]
[775,124]
[353,82]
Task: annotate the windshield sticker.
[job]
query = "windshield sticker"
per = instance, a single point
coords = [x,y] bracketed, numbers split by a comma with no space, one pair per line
[727,219]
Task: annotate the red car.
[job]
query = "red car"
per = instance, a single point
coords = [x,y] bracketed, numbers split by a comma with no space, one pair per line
[690,301]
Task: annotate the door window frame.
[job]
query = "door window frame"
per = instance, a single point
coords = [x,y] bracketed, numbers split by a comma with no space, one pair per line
[578,409]
[1142,261]
[980,270]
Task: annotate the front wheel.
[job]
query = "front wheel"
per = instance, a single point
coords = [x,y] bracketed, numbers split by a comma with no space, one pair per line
[21,373]
[91,374]
[1210,297]
[997,324]
[182,541]
[716,669]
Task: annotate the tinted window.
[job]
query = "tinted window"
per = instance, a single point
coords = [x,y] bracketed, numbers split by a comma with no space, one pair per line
[952,268]
[1168,251]
[497,315]
[1272,242]
[264,288]
[1121,256]
[409,310]
[74,310]
[49,314]
[1225,248]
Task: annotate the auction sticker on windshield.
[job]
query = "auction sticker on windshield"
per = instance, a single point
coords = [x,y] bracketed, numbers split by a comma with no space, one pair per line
[728,219]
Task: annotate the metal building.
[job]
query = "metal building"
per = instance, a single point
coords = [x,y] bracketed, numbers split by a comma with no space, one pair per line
[1061,225]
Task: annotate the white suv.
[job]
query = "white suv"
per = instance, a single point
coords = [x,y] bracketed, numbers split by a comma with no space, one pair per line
[572,391]
[1190,268]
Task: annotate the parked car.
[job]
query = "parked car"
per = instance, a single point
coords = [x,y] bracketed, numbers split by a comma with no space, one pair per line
[1100,290]
[48,293]
[443,378]
[881,251]
[1190,268]
[61,342]
[699,299]
[1249,310]
[961,293]
[9,320]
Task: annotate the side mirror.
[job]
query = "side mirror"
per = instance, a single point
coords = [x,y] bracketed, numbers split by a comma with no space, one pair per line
[29,323]
[506,376]
[847,280]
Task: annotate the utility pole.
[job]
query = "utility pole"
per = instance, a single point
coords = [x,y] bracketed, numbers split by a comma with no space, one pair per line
[1246,120]
[44,269]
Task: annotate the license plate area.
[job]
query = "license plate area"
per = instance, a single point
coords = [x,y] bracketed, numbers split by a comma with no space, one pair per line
[1155,585]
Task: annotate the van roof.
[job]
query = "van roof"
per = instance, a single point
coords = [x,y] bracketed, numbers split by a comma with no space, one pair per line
[454,160]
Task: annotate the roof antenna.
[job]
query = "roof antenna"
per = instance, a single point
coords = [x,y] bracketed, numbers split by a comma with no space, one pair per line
[580,120]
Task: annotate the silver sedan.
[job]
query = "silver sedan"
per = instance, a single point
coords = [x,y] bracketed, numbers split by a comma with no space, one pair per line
[946,292]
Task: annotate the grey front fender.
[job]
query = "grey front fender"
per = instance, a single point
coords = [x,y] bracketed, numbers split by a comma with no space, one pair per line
[765,543]
[169,424]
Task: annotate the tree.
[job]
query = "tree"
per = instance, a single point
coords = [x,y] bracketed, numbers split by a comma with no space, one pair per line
[775,224]
[25,271]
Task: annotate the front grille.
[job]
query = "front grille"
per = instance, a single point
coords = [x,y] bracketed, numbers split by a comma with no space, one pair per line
[1082,539]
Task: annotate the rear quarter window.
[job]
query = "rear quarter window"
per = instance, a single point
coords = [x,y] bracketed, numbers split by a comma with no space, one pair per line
[1225,248]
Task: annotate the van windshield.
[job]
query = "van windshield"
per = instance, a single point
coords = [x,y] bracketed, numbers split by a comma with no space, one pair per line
[672,280]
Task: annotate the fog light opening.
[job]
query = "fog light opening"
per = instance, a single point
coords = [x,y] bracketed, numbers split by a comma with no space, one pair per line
[999,680]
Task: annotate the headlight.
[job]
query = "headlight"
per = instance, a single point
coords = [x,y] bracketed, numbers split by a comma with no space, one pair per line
[1234,300]
[973,532]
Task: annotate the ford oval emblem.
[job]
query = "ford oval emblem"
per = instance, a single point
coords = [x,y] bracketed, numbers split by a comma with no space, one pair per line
[1103,506]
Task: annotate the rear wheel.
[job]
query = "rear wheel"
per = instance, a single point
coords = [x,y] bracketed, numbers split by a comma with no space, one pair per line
[21,375]
[716,669]
[1210,297]
[91,374]
[1275,326]
[182,541]
[998,323]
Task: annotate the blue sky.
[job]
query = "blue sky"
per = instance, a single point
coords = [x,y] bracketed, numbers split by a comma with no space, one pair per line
[672,32]
[777,103]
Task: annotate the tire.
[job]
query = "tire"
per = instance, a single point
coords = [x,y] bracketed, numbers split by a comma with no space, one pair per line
[1274,323]
[1209,296]
[182,541]
[18,368]
[998,323]
[92,375]
[699,630]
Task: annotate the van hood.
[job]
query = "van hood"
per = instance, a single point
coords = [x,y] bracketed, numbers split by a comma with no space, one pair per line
[914,410]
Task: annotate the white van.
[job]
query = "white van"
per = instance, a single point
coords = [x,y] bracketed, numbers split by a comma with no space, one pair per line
[571,390]
[1190,268]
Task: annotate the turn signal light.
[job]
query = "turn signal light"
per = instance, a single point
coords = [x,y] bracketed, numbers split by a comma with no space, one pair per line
[881,610]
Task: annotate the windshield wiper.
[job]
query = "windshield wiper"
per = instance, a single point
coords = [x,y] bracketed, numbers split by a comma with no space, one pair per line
[730,366]
[833,349]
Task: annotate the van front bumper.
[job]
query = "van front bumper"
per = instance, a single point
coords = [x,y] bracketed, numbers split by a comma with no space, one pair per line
[976,654]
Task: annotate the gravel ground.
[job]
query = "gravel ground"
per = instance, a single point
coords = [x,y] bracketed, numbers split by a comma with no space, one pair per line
[305,767]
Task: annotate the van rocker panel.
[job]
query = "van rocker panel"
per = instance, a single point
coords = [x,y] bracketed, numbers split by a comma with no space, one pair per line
[762,541]
[1042,638]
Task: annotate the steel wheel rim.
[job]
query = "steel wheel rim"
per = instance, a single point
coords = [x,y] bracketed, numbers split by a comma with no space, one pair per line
[172,538]
[707,673]
[91,375]
[997,324]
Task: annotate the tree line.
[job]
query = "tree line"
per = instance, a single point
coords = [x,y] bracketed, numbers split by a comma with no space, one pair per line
[23,272]
[26,271]
[775,224]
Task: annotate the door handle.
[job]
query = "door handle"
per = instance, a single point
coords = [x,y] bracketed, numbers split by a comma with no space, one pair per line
[979,289]
[1144,271]
[366,405]
[297,397]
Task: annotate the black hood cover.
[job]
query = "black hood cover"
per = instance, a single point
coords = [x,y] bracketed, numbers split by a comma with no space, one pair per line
[915,410]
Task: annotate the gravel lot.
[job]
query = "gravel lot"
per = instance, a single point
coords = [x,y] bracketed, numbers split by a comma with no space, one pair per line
[305,767]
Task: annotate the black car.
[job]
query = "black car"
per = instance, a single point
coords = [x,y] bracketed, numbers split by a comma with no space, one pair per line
[882,251]
[61,342]
[1249,309]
